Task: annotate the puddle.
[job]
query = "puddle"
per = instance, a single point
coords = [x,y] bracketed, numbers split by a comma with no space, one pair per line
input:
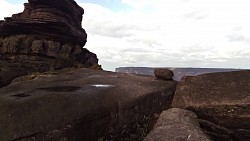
[102,86]
[61,89]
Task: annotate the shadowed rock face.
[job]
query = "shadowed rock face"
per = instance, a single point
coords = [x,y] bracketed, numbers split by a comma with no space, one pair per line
[47,35]
[79,104]
[221,101]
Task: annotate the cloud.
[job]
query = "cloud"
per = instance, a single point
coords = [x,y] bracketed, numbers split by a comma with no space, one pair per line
[7,9]
[167,33]
[175,33]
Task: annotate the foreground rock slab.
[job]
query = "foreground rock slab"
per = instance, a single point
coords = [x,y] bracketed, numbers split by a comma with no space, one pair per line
[79,104]
[177,125]
[221,101]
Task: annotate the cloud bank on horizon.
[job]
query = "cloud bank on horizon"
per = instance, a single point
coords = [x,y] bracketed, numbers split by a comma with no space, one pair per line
[164,33]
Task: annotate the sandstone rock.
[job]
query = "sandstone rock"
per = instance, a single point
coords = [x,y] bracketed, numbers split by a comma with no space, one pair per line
[37,47]
[79,104]
[221,100]
[164,74]
[54,19]
[47,35]
[66,50]
[9,71]
[177,125]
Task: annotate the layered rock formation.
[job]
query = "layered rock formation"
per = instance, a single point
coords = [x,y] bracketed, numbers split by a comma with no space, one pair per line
[58,20]
[47,35]
[221,101]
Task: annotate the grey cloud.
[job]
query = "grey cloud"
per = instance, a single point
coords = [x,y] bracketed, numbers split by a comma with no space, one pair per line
[197,15]
[236,38]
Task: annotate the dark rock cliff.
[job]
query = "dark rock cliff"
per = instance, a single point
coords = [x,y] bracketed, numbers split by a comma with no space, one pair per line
[47,35]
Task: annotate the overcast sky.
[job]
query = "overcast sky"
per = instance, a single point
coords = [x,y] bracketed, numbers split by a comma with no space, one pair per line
[164,33]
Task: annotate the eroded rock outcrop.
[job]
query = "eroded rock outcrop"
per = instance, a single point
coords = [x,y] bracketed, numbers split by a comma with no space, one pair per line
[47,35]
[59,20]
[221,101]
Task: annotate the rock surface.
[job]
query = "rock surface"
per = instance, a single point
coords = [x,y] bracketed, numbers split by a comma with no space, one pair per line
[47,35]
[177,125]
[79,104]
[221,101]
[53,19]
[163,74]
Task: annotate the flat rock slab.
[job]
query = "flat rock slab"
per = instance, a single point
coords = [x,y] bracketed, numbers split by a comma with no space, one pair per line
[78,104]
[221,101]
[177,125]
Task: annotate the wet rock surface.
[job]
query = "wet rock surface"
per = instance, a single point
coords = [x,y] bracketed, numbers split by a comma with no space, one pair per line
[221,101]
[79,104]
[177,125]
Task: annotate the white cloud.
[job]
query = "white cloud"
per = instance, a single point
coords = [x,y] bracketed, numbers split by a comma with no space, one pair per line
[7,9]
[175,33]
[179,33]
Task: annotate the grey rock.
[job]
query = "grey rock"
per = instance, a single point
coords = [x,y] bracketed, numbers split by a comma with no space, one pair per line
[177,125]
[220,98]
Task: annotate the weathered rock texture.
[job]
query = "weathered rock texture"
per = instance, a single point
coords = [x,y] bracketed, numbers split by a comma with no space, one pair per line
[79,104]
[221,101]
[47,35]
[53,19]
[163,74]
[177,125]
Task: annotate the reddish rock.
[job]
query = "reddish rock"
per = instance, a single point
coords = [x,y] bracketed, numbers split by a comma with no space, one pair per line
[164,74]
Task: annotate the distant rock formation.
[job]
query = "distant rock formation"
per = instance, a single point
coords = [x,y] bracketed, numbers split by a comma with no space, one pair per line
[221,101]
[47,35]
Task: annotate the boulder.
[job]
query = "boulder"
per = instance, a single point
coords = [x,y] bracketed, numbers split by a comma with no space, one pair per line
[79,104]
[177,125]
[163,74]
[221,101]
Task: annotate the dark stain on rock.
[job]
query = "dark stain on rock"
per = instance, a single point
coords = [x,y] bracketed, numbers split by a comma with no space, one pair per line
[22,95]
[61,89]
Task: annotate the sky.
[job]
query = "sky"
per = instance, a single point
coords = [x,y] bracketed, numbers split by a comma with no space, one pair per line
[163,33]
